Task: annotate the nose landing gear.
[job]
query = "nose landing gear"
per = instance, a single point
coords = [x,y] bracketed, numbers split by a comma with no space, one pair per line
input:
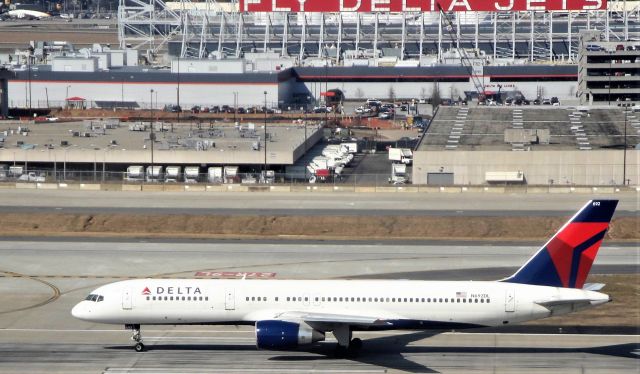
[136,337]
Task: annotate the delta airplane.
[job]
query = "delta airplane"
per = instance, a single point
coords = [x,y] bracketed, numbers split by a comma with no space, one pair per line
[291,313]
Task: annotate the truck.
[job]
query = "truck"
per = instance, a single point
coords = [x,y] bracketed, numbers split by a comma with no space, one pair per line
[191,174]
[4,172]
[214,175]
[154,173]
[32,176]
[231,174]
[172,174]
[398,174]
[134,173]
[401,155]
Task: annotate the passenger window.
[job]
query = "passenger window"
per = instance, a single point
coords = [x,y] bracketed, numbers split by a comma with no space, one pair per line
[405,299]
[306,299]
[352,299]
[253,298]
[154,298]
[259,298]
[423,299]
[476,301]
[446,300]
[288,298]
[148,298]
[316,299]
[488,301]
[276,298]
[440,300]
[183,298]
[188,298]
[247,298]
[299,298]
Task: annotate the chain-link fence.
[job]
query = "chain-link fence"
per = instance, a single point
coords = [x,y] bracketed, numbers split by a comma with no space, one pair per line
[284,179]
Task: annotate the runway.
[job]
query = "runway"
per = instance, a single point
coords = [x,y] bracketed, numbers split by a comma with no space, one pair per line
[42,280]
[302,203]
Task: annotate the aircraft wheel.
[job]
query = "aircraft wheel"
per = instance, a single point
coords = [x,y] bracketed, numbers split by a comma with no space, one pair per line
[139,347]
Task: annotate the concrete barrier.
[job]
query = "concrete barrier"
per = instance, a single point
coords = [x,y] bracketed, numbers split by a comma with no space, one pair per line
[280,188]
[559,189]
[194,188]
[173,187]
[580,189]
[494,189]
[538,189]
[471,189]
[304,188]
[451,189]
[386,189]
[131,187]
[365,189]
[47,186]
[603,189]
[343,188]
[429,189]
[215,188]
[236,188]
[26,186]
[111,187]
[7,185]
[409,189]
[90,186]
[152,187]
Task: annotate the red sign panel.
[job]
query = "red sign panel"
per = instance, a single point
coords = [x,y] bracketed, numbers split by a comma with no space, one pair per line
[418,5]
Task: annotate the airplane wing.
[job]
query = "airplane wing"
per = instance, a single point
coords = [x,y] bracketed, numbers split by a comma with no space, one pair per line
[333,318]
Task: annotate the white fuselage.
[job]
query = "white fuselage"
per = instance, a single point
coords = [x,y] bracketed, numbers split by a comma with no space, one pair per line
[409,304]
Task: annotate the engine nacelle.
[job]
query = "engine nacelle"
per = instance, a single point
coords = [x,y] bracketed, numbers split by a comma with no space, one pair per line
[274,334]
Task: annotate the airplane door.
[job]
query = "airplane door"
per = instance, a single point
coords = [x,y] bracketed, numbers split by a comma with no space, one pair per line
[229,300]
[126,299]
[510,301]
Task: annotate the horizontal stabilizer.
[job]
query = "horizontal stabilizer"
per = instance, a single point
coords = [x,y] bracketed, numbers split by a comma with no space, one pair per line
[593,286]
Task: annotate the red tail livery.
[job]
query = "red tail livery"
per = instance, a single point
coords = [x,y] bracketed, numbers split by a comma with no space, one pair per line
[565,260]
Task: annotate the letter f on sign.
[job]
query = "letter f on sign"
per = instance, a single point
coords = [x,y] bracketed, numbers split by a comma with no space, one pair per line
[248,2]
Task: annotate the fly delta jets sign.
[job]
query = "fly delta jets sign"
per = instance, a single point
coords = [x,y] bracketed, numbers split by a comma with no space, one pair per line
[419,5]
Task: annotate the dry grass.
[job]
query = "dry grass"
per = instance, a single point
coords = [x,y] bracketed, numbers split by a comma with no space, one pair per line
[321,227]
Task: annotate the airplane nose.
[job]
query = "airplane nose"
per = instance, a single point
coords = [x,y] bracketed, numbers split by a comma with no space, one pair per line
[79,311]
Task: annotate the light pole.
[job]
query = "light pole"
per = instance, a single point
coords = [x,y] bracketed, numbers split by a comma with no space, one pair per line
[66,102]
[610,61]
[235,106]
[265,133]
[305,129]
[152,135]
[624,157]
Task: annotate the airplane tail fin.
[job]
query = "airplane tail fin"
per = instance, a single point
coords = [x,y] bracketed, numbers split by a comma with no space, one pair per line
[565,260]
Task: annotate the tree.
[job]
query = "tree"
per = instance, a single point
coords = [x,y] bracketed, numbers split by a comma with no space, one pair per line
[435,95]
[423,93]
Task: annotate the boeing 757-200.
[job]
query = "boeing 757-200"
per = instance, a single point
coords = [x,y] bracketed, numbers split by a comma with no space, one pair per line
[292,313]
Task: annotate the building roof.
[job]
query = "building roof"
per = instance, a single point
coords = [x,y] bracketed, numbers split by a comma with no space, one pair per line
[529,128]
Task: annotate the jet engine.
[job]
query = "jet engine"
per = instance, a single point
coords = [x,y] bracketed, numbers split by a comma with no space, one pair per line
[276,335]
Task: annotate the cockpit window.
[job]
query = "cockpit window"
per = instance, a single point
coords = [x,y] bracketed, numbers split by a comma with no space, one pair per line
[94,297]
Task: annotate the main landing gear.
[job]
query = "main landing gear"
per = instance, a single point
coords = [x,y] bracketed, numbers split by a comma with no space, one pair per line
[347,347]
[136,337]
